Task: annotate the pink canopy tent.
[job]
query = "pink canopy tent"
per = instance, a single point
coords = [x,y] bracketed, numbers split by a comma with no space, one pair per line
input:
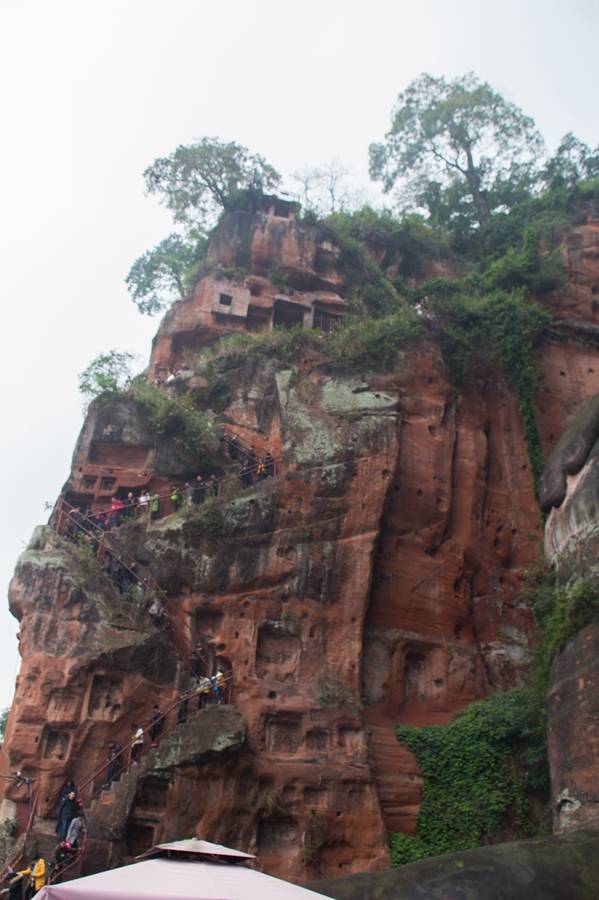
[184,870]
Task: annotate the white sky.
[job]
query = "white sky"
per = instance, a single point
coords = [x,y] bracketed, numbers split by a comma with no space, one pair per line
[92,92]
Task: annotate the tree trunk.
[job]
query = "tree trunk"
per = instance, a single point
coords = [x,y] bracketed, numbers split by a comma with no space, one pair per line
[483,211]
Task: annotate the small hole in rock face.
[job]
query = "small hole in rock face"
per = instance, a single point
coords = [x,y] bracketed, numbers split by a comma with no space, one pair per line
[338,813]
[221,647]
[353,621]
[419,493]
[272,695]
[236,634]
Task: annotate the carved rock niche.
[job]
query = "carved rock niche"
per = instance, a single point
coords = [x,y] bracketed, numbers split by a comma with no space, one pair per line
[105,697]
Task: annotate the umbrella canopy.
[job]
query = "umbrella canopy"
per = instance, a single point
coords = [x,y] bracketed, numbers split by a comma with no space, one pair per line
[195,847]
[177,879]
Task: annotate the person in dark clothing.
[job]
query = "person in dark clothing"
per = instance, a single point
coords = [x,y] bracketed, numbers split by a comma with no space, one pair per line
[68,787]
[157,724]
[233,446]
[182,711]
[251,458]
[16,882]
[269,464]
[114,762]
[245,476]
[199,490]
[69,808]
[62,855]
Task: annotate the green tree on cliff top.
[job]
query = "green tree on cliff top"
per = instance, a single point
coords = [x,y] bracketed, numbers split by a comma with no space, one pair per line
[457,147]
[196,182]
[199,180]
[162,275]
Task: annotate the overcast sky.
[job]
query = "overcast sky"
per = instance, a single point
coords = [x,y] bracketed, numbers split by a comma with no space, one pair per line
[92,92]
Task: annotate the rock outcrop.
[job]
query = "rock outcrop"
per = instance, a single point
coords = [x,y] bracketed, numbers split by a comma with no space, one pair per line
[544,869]
[373,581]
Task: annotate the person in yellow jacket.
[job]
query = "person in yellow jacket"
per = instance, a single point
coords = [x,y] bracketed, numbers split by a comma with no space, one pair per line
[36,873]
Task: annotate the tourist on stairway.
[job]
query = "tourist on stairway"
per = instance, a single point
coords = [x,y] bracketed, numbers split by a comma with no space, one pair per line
[199,490]
[176,497]
[155,507]
[143,503]
[157,724]
[269,463]
[116,512]
[137,744]
[232,443]
[129,508]
[115,761]
[75,829]
[68,809]
[245,476]
[62,855]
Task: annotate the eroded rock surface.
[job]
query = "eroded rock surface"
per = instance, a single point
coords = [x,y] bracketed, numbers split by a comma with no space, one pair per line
[375,580]
[552,868]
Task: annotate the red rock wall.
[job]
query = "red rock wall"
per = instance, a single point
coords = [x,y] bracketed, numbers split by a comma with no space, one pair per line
[374,581]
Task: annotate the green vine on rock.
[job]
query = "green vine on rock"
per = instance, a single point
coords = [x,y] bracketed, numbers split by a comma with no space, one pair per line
[480,774]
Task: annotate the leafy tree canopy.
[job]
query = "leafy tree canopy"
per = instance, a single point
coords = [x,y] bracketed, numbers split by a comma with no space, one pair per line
[458,147]
[198,180]
[106,374]
[573,161]
[162,275]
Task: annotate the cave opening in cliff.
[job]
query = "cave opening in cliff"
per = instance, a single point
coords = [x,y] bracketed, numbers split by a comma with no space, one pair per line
[325,320]
[139,837]
[287,314]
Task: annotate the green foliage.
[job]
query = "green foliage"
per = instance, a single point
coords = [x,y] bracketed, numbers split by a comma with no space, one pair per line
[3,721]
[198,180]
[408,241]
[107,374]
[481,332]
[279,279]
[573,161]
[561,613]
[459,141]
[164,274]
[364,283]
[283,344]
[373,343]
[192,432]
[480,773]
[207,519]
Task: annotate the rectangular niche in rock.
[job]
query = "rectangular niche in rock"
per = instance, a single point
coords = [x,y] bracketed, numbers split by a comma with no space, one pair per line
[153,793]
[55,744]
[284,732]
[139,836]
[278,645]
[105,698]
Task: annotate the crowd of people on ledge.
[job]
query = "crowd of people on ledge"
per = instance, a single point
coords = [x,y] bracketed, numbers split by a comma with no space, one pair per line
[145,505]
[23,884]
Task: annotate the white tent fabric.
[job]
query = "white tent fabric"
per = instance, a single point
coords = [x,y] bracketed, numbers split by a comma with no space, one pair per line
[173,879]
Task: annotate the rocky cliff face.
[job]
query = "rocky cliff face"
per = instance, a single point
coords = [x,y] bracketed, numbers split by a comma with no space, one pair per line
[373,581]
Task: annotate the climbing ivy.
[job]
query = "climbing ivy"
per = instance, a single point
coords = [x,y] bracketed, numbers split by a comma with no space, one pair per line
[192,431]
[561,612]
[480,773]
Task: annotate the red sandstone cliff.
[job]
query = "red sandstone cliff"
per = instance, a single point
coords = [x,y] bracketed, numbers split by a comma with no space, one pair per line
[375,580]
